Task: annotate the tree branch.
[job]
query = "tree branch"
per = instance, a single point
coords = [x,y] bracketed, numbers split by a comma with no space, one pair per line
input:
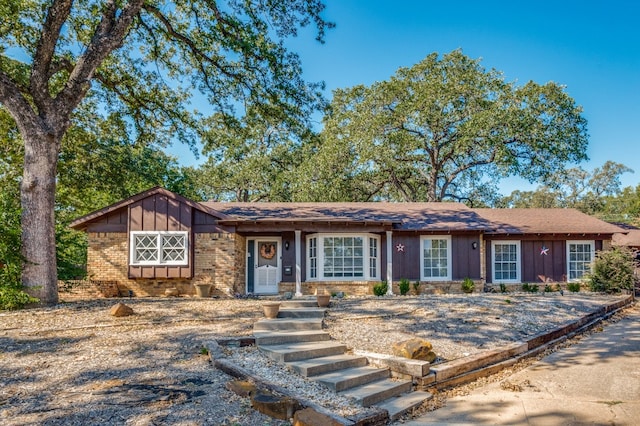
[18,106]
[108,36]
[56,16]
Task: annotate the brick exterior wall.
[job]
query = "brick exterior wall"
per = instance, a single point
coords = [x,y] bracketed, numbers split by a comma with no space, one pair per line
[218,260]
[86,289]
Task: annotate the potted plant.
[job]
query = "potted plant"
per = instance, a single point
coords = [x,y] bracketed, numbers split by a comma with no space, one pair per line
[203,285]
[271,309]
[323,299]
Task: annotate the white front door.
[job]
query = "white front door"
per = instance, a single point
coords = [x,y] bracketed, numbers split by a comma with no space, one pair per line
[267,265]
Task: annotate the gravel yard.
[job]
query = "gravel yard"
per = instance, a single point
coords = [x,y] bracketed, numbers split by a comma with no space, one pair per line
[74,364]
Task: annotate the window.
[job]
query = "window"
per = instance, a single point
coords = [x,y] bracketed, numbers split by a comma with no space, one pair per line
[435,262]
[159,248]
[313,257]
[580,254]
[506,261]
[343,256]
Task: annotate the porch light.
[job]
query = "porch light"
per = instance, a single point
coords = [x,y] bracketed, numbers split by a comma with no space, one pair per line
[286,245]
[474,245]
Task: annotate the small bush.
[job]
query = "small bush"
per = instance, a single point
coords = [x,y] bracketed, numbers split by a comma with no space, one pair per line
[416,287]
[503,288]
[381,288]
[612,271]
[548,288]
[573,287]
[468,285]
[530,288]
[404,286]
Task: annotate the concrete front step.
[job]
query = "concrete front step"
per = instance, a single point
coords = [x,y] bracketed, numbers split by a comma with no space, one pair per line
[279,338]
[315,366]
[303,312]
[305,350]
[351,377]
[375,392]
[288,324]
[399,405]
[300,303]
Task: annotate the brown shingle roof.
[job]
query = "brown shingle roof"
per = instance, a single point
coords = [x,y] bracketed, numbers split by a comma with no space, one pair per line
[545,221]
[405,216]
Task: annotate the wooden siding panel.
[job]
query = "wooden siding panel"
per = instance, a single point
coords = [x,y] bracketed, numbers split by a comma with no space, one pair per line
[148,214]
[406,264]
[465,260]
[135,217]
[160,211]
[173,216]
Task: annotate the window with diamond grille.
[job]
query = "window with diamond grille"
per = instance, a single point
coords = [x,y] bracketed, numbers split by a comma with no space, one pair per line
[159,248]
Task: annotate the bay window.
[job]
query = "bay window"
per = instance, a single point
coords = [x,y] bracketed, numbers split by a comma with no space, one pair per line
[340,257]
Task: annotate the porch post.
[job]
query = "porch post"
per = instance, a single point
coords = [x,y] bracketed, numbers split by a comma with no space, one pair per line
[298,263]
[389,264]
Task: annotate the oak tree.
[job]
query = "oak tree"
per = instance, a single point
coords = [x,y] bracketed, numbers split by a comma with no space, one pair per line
[144,60]
[447,128]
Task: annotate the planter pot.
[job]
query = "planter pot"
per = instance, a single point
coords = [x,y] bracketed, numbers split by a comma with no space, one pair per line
[202,290]
[323,300]
[271,309]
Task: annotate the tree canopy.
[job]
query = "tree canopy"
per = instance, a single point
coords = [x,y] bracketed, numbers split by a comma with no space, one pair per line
[140,62]
[446,128]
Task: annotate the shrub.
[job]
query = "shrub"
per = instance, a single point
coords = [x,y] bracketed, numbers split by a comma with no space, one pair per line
[530,288]
[612,271]
[416,287]
[548,288]
[503,288]
[468,285]
[381,288]
[404,286]
[573,287]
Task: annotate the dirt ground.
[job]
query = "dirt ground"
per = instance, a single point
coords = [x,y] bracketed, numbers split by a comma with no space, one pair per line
[75,364]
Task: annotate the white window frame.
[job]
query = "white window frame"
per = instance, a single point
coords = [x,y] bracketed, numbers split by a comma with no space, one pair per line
[424,238]
[158,236]
[366,258]
[518,262]
[592,243]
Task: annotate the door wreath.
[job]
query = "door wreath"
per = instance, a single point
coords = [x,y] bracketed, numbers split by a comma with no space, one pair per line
[267,251]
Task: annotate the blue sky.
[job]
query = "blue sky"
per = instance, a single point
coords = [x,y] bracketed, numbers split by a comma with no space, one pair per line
[591,47]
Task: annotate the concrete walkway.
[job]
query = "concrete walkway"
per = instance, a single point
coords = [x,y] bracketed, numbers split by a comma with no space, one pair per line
[596,381]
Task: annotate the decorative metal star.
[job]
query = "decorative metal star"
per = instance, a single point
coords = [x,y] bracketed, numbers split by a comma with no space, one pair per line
[400,248]
[544,251]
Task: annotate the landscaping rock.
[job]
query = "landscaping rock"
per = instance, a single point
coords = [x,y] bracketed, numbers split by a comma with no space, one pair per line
[121,310]
[278,407]
[242,388]
[414,349]
[310,417]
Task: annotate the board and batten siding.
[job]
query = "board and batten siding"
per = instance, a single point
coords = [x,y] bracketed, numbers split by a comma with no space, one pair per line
[160,213]
[465,261]
[536,267]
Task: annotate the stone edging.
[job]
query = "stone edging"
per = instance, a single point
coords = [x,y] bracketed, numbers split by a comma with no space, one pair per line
[467,369]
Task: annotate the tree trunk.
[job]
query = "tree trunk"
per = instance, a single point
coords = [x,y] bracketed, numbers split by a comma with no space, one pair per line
[37,197]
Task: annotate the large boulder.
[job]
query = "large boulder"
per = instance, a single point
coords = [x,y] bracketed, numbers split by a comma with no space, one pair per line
[415,348]
[121,310]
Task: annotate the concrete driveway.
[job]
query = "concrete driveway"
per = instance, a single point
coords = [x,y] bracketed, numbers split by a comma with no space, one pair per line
[596,381]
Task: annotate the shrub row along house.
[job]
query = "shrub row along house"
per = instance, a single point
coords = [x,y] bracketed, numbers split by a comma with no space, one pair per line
[157,240]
